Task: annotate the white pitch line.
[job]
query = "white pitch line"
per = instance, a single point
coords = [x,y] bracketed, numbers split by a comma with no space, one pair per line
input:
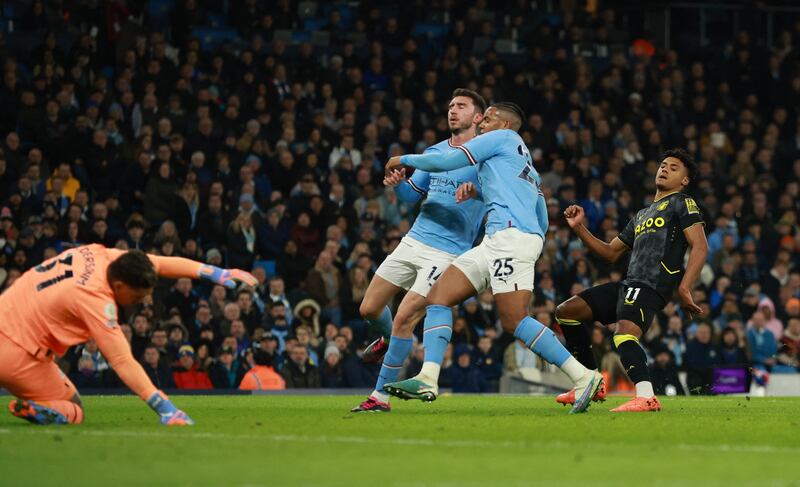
[421,442]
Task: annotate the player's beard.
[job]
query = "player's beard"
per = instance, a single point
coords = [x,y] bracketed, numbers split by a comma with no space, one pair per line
[460,128]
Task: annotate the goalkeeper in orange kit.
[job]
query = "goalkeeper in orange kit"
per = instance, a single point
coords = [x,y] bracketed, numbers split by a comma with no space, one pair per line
[68,299]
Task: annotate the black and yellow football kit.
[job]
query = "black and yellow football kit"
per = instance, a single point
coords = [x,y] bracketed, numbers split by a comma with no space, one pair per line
[655,236]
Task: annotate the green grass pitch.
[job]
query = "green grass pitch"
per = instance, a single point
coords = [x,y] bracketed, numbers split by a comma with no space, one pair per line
[455,441]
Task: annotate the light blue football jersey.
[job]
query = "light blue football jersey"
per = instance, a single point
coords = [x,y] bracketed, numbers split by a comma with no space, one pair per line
[441,223]
[509,182]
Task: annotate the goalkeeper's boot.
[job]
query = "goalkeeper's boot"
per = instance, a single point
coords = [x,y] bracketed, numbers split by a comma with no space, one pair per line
[413,388]
[568,398]
[375,351]
[639,405]
[585,389]
[372,405]
[35,413]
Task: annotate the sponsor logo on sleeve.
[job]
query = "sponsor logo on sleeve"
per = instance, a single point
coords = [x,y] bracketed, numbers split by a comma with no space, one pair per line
[110,312]
[691,206]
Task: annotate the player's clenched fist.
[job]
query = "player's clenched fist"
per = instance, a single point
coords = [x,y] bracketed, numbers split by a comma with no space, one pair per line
[574,215]
[395,165]
[395,177]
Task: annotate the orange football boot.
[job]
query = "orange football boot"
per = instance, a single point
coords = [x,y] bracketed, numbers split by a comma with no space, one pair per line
[639,405]
[568,398]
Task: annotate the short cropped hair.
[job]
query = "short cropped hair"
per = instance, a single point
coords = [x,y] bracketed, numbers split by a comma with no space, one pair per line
[513,108]
[134,269]
[477,100]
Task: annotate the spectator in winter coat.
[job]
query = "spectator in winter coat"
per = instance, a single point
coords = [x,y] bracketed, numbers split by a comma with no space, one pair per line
[156,369]
[307,312]
[763,345]
[331,368]
[488,362]
[273,236]
[730,351]
[324,284]
[262,377]
[466,377]
[242,244]
[227,372]
[160,193]
[773,324]
[701,356]
[186,375]
[298,372]
[664,375]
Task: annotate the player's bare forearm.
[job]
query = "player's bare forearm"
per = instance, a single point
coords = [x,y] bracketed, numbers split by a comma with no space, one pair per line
[697,256]
[602,249]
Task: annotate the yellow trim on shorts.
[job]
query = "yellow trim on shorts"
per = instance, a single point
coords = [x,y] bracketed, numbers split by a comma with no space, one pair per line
[620,339]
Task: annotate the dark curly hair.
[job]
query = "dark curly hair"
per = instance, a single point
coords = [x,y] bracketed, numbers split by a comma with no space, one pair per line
[687,160]
[134,269]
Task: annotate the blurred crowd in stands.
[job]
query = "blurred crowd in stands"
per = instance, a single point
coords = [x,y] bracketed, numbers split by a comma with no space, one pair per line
[252,134]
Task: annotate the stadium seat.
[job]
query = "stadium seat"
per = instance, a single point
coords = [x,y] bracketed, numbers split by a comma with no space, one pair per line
[300,36]
[345,11]
[314,25]
[430,29]
[359,39]
[320,38]
[159,10]
[217,21]
[307,10]
[506,46]
[213,38]
[284,35]
[783,369]
[269,266]
[481,45]
[108,72]
[8,10]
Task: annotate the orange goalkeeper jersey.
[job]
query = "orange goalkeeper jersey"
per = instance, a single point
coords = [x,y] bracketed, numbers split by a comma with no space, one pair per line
[64,301]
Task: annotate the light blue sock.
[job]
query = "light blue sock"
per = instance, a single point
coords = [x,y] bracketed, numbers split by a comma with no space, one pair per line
[438,330]
[542,341]
[399,348]
[384,323]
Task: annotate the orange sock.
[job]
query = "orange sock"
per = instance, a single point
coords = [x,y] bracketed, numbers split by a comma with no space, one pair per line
[72,411]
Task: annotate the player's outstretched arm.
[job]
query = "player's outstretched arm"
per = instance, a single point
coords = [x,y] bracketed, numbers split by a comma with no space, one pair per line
[696,237]
[431,162]
[178,267]
[610,252]
[116,349]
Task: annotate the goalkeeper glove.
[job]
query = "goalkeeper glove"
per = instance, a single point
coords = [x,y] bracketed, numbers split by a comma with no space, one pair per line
[226,277]
[167,412]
